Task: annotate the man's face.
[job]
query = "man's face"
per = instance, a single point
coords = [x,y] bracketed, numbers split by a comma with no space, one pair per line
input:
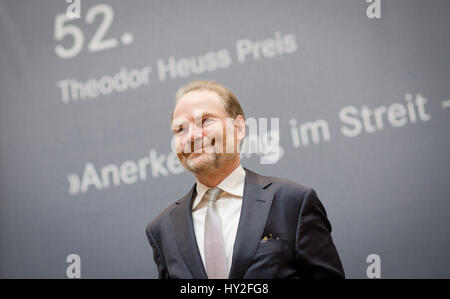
[200,131]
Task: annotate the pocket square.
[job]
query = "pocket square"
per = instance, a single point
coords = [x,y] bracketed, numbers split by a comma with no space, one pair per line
[268,238]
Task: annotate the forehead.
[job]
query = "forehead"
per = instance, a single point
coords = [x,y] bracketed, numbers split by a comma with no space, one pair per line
[206,101]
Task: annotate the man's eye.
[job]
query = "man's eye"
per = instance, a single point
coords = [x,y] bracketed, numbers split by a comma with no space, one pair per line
[205,119]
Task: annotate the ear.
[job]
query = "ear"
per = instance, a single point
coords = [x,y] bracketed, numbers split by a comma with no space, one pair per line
[239,125]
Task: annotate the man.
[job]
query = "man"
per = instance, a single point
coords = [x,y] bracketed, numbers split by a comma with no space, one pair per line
[234,223]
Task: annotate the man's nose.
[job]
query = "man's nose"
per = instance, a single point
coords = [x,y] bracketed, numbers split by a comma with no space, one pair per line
[195,133]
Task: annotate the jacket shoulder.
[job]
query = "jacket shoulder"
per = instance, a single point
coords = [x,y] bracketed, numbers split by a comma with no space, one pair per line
[162,218]
[285,190]
[283,185]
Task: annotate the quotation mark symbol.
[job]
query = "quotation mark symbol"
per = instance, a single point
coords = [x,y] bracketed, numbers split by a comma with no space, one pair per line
[74,184]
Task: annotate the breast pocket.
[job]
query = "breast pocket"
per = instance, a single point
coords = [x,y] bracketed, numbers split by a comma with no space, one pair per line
[272,246]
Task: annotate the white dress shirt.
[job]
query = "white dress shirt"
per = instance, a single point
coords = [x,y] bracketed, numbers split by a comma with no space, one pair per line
[228,204]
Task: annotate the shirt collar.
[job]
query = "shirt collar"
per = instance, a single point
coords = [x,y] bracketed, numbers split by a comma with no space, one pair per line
[232,184]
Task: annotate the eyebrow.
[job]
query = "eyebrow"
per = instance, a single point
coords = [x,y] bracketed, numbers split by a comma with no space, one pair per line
[208,114]
[176,123]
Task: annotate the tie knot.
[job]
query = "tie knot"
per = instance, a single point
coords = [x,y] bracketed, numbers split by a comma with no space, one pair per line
[214,193]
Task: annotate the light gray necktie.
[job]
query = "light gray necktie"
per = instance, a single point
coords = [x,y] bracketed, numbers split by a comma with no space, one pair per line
[216,265]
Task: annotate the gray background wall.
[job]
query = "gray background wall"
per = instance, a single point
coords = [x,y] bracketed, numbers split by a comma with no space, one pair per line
[386,192]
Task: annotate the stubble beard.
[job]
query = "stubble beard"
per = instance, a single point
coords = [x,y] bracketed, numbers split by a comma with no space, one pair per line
[202,163]
[206,162]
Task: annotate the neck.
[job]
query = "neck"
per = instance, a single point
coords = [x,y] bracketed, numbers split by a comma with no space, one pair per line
[214,177]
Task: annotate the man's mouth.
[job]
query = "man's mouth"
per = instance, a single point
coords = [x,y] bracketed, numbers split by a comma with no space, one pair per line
[197,151]
[200,149]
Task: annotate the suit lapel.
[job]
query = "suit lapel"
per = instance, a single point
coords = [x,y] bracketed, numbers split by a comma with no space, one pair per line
[256,204]
[185,235]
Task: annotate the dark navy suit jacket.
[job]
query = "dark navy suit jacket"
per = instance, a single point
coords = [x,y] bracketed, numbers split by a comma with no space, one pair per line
[302,246]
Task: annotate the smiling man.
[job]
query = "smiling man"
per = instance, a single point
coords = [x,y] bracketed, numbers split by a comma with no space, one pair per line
[234,223]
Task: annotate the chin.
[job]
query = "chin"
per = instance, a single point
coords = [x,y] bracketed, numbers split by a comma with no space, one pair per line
[200,163]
